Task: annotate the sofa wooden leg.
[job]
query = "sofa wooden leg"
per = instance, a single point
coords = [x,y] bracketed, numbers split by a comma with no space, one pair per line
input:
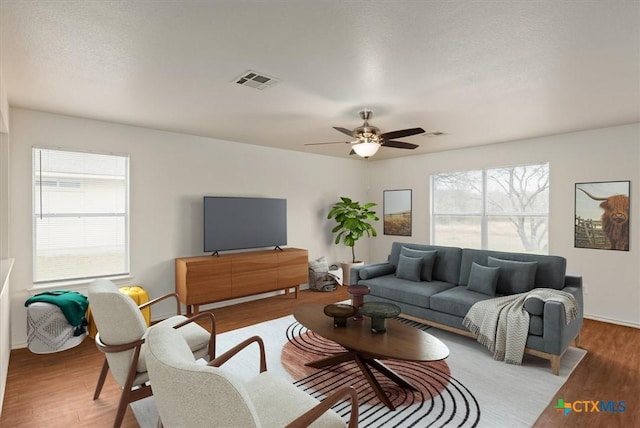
[555,364]
[576,340]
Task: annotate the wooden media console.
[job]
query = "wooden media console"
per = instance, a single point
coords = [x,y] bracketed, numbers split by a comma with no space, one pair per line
[209,279]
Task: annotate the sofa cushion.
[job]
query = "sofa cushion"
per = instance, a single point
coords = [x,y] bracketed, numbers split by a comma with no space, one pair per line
[428,260]
[447,264]
[551,271]
[535,325]
[375,270]
[456,301]
[534,306]
[404,291]
[483,279]
[409,268]
[515,277]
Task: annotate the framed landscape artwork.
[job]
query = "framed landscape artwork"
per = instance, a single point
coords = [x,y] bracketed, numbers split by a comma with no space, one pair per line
[602,215]
[397,212]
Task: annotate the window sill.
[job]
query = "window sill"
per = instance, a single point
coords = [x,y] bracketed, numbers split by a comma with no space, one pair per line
[80,285]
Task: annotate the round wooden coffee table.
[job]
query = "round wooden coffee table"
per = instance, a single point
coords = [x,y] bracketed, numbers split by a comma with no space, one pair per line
[401,342]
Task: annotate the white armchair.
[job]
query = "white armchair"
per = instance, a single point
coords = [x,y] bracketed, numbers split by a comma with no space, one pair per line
[122,333]
[195,395]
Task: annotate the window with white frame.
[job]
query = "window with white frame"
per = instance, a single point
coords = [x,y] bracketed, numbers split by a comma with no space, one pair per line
[503,209]
[80,215]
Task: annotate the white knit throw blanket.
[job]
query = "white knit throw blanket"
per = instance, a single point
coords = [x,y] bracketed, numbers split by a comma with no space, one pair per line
[502,324]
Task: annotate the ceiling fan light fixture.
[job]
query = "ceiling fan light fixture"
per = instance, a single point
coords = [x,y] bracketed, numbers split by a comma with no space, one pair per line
[366,149]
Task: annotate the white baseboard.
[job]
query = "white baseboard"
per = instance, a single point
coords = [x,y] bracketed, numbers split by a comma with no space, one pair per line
[612,321]
[159,317]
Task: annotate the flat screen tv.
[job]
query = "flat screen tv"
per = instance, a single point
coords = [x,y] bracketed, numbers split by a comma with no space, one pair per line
[233,223]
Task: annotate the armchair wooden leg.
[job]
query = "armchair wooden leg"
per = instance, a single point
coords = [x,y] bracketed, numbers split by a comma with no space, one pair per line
[103,376]
[122,407]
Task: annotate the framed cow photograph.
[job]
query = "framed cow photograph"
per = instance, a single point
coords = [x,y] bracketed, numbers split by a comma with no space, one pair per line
[602,215]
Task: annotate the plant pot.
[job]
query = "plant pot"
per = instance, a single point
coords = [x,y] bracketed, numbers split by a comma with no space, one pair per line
[346,272]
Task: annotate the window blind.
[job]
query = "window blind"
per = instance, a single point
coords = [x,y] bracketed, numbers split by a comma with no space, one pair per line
[80,215]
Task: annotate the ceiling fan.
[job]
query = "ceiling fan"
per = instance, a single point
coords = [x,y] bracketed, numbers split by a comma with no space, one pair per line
[368,138]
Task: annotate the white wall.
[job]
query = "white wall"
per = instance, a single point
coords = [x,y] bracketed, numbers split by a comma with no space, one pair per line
[611,278]
[4,170]
[169,175]
[4,106]
[171,172]
[5,264]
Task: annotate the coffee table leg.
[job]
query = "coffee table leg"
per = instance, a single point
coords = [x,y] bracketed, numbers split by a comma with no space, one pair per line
[364,363]
[332,360]
[391,374]
[377,388]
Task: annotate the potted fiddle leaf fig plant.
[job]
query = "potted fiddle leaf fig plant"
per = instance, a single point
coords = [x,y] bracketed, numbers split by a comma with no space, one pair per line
[353,221]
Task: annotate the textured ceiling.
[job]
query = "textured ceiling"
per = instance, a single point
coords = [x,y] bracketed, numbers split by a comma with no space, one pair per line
[481,72]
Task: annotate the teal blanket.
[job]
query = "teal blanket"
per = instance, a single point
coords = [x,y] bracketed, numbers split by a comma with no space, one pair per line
[72,304]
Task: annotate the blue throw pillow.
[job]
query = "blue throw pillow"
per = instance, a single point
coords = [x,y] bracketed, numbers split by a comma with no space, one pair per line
[428,260]
[409,268]
[515,277]
[483,279]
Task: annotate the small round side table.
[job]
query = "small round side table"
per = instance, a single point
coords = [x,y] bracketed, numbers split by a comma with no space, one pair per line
[357,293]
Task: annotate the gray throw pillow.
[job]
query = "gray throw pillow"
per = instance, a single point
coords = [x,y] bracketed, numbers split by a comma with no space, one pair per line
[428,260]
[376,270]
[515,277]
[483,279]
[409,268]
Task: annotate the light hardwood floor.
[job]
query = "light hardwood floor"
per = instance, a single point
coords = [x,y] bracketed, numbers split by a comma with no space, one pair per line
[56,390]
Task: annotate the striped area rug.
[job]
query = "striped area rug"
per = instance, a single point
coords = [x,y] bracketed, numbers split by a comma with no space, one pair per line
[441,399]
[468,389]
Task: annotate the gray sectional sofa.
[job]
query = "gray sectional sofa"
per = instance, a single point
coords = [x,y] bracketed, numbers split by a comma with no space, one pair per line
[441,289]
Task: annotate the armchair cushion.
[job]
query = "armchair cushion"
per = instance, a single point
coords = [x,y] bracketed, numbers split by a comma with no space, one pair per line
[196,337]
[269,392]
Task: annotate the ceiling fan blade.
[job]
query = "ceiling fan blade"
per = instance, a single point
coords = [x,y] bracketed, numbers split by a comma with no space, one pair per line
[335,142]
[402,133]
[344,130]
[399,145]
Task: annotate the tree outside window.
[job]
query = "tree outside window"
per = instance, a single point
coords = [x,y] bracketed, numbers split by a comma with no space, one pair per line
[505,209]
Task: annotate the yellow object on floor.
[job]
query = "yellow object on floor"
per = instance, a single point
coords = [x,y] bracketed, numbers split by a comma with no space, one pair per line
[138,294]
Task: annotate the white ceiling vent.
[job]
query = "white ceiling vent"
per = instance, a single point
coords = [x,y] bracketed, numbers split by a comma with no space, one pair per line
[256,80]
